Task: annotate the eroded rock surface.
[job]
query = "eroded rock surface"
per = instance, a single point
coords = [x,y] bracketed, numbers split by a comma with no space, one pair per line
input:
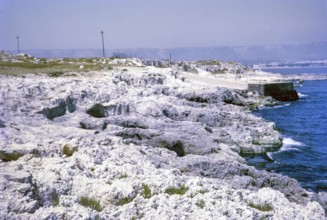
[122,138]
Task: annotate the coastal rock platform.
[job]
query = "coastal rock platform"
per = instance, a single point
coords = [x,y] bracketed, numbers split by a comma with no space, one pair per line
[138,143]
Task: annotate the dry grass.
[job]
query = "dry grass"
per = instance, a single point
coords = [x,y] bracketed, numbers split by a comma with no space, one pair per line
[50,66]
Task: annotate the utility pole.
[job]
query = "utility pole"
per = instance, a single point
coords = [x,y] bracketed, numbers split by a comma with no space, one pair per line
[17,44]
[102,44]
[169,59]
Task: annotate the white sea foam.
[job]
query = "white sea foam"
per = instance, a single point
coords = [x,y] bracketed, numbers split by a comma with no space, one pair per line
[281,106]
[262,107]
[290,144]
[270,155]
[301,95]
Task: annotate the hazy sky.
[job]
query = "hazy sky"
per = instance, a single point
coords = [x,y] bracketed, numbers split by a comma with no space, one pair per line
[76,24]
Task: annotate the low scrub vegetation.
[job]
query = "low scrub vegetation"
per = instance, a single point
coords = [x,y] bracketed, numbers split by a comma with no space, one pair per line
[125,200]
[7,157]
[51,67]
[68,150]
[177,190]
[146,191]
[261,207]
[91,203]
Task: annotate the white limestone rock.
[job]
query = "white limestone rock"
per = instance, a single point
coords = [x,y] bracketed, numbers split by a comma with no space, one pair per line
[157,130]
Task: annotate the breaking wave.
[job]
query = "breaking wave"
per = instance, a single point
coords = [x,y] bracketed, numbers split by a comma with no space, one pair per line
[262,107]
[301,95]
[289,144]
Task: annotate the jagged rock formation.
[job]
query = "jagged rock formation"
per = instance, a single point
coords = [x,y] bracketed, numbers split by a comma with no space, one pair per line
[138,143]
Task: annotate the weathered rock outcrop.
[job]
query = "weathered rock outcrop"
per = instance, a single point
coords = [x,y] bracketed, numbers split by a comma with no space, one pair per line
[138,143]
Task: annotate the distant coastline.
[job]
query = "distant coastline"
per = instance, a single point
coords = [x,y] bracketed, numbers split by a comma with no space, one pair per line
[247,55]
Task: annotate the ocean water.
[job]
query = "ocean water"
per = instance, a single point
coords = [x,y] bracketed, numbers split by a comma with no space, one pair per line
[303,124]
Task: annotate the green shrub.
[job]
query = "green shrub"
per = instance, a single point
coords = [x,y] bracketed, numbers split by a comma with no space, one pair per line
[91,203]
[264,208]
[179,191]
[68,150]
[146,191]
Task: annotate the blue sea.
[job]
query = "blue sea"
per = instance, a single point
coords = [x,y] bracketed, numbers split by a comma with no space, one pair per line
[303,124]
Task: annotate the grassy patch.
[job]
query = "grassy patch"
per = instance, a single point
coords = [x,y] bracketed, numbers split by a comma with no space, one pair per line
[177,190]
[264,208]
[50,66]
[7,157]
[208,62]
[146,191]
[125,200]
[91,203]
[68,150]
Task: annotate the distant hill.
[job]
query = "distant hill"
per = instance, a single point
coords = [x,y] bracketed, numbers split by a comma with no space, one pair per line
[246,55]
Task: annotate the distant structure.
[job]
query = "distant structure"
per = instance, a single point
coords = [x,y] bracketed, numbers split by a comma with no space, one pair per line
[102,45]
[17,44]
[119,55]
[169,59]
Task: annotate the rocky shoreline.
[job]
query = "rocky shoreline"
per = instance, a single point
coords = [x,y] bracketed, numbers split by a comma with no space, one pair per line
[139,142]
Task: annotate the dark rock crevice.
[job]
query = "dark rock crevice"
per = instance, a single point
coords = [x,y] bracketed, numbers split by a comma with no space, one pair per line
[60,109]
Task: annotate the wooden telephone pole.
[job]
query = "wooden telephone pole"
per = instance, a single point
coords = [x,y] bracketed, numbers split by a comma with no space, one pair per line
[102,44]
[17,44]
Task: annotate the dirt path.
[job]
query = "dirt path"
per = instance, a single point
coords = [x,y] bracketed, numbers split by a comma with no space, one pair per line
[212,81]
